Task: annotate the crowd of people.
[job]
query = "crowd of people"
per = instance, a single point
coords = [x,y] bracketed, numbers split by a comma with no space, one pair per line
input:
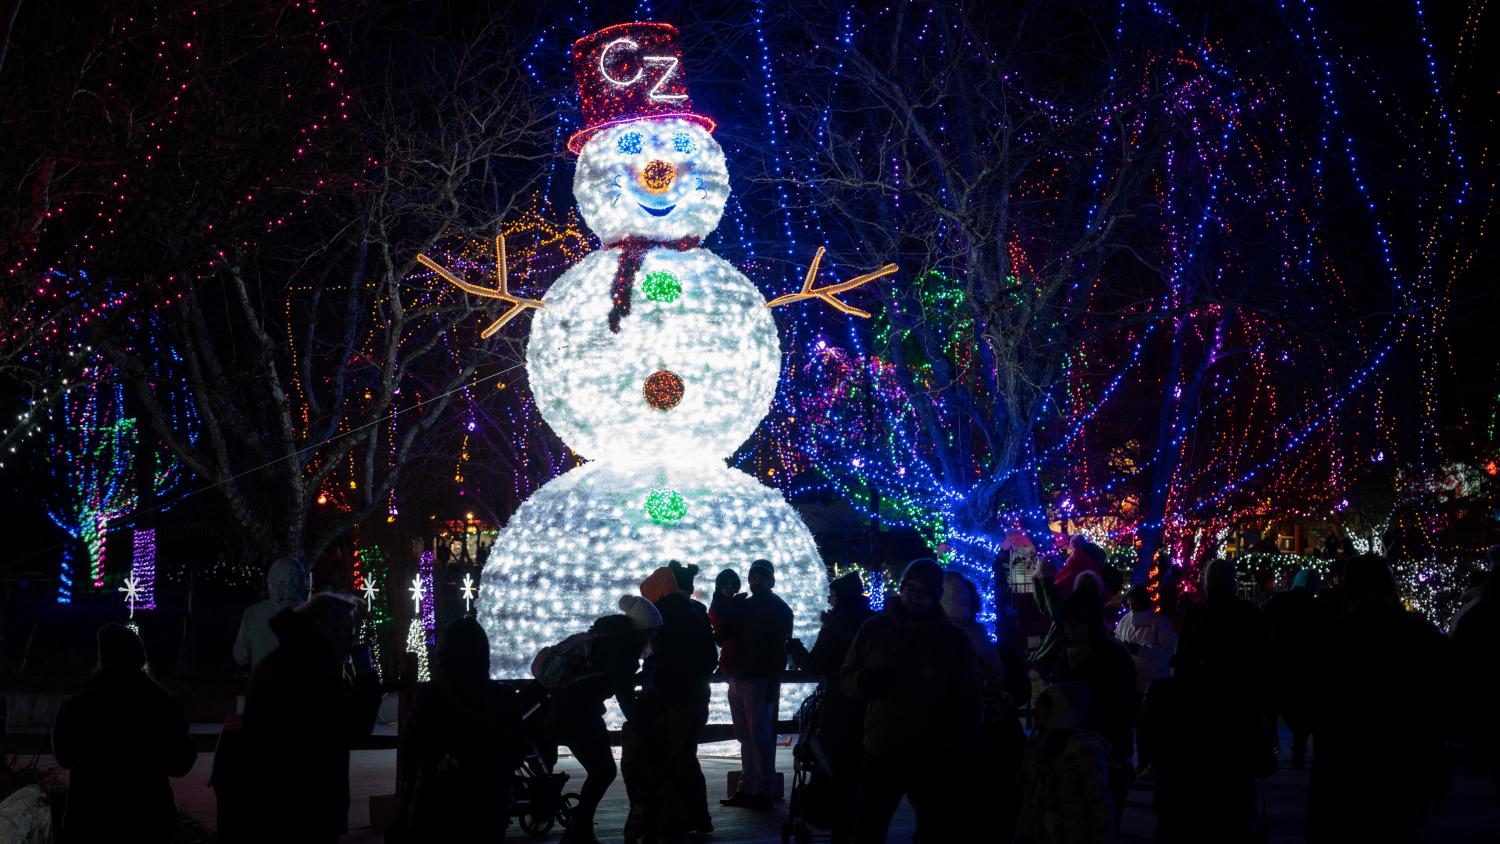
[916,702]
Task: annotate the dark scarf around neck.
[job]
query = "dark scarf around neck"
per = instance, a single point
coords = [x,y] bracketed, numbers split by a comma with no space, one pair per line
[632,252]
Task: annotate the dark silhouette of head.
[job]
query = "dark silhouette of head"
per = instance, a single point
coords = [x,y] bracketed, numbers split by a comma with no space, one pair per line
[120,650]
[1082,613]
[847,591]
[1138,598]
[762,576]
[333,615]
[1219,580]
[684,574]
[1368,578]
[922,586]
[463,654]
[727,583]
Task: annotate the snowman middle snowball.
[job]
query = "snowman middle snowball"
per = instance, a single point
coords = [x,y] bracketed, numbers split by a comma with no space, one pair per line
[690,313]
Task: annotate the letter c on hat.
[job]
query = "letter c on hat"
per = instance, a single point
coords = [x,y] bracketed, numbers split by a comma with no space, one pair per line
[604,70]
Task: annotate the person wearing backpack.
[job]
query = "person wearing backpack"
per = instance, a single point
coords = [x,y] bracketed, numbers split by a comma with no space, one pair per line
[461,742]
[612,655]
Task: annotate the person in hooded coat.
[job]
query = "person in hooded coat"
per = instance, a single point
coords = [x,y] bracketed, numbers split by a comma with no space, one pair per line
[576,714]
[120,739]
[1299,631]
[1065,787]
[286,587]
[919,679]
[841,719]
[461,742]
[308,704]
[1386,666]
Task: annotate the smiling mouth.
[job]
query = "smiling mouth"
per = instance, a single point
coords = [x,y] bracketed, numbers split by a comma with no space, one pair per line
[657,212]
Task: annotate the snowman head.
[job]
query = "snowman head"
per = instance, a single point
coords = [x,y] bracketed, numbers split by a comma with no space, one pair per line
[654,178]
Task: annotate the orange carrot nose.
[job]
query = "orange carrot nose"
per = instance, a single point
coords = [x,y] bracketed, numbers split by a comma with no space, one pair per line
[658,175]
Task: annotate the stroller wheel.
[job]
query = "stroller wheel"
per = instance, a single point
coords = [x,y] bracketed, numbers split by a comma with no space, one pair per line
[565,811]
[534,826]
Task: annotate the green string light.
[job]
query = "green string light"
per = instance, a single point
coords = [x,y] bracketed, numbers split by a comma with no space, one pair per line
[661,287]
[665,505]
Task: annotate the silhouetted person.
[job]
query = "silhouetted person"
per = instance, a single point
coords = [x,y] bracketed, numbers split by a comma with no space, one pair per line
[677,673]
[1149,637]
[576,715]
[461,741]
[1299,632]
[723,614]
[308,703]
[1092,657]
[121,738]
[286,587]
[1065,786]
[841,720]
[761,631]
[919,678]
[1476,641]
[1205,731]
[1381,717]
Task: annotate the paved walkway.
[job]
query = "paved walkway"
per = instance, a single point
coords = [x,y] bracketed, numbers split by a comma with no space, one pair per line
[1470,815]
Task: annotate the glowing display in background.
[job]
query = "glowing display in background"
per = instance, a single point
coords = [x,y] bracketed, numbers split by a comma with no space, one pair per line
[143,568]
[653,358]
[583,540]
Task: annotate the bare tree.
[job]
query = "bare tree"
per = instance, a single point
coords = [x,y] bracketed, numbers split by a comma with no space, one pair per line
[321,356]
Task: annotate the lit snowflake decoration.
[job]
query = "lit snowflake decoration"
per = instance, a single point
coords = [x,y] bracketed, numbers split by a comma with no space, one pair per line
[468,592]
[370,591]
[416,593]
[132,590]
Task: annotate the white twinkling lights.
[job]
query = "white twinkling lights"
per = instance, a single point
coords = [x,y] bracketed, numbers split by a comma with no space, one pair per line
[583,540]
[716,335]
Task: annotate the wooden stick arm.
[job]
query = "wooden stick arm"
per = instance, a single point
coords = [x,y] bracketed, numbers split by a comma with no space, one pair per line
[827,294]
[501,291]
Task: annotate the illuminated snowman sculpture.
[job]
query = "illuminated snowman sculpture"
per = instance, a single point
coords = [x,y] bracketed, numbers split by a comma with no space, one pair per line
[654,359]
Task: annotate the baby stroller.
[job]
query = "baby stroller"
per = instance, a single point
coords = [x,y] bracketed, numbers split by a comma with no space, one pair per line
[537,800]
[811,805]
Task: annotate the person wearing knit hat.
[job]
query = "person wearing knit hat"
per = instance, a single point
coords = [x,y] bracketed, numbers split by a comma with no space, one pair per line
[847,587]
[926,573]
[641,611]
[842,719]
[658,584]
[685,575]
[919,680]
[763,629]
[120,739]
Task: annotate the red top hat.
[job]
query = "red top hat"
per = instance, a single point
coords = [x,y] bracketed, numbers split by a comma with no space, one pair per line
[629,71]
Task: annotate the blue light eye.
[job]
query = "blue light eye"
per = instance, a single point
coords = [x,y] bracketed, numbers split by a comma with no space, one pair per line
[630,143]
[682,143]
